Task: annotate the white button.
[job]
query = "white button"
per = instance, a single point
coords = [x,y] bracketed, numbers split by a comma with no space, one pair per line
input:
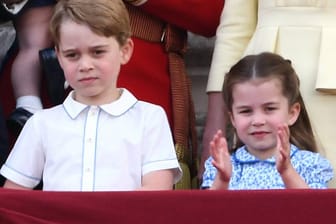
[93,110]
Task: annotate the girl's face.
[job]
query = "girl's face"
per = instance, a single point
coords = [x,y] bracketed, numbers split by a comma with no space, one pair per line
[258,109]
[91,62]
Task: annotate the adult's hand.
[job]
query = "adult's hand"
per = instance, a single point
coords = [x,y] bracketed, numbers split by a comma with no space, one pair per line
[11,2]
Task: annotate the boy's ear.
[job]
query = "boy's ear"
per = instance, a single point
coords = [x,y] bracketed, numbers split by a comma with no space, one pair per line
[58,56]
[294,112]
[126,51]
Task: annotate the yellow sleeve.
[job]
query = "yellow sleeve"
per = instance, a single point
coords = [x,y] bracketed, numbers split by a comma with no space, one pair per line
[237,25]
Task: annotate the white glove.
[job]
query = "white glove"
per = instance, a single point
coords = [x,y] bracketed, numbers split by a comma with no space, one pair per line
[14,6]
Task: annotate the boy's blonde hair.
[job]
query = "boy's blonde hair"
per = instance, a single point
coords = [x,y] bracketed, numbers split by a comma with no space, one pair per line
[104,17]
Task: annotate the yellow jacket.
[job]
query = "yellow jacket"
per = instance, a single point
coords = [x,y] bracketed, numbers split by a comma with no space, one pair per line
[252,26]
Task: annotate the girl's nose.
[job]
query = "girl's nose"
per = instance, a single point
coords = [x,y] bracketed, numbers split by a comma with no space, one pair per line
[258,120]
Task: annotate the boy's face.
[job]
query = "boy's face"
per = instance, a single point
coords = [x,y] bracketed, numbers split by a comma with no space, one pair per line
[91,62]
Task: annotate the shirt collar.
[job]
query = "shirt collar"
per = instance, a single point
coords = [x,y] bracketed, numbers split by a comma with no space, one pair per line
[126,101]
[243,156]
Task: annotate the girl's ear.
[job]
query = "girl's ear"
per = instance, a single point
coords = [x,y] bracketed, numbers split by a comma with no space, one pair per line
[294,112]
[126,51]
[232,119]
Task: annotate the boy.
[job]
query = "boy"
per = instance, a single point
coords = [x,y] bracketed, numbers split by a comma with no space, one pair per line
[101,138]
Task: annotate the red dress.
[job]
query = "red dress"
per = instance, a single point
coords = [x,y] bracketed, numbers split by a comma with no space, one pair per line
[150,73]
[147,74]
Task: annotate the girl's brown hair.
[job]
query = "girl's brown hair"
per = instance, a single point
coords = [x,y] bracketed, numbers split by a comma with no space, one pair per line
[104,17]
[269,65]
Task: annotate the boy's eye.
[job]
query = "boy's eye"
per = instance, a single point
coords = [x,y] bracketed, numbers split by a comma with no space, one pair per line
[70,55]
[98,52]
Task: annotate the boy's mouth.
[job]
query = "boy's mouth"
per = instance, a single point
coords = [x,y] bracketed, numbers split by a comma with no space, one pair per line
[87,79]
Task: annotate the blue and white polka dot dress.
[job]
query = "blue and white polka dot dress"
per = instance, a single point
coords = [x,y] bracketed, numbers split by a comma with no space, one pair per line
[249,172]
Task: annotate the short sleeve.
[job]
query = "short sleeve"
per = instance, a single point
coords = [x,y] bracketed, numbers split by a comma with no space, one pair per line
[160,151]
[315,169]
[24,165]
[209,174]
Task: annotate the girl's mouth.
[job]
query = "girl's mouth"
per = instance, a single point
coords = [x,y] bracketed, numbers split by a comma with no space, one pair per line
[259,134]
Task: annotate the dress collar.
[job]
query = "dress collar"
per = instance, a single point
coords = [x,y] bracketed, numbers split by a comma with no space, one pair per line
[243,156]
[116,108]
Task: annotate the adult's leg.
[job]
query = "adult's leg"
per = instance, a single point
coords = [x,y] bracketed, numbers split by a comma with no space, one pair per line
[32,28]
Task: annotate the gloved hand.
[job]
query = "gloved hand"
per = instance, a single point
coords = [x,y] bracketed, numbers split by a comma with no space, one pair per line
[11,2]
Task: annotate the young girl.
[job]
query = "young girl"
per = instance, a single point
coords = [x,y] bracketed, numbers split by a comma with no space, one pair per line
[275,146]
[101,138]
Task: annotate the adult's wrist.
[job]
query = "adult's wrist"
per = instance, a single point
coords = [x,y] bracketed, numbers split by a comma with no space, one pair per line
[136,2]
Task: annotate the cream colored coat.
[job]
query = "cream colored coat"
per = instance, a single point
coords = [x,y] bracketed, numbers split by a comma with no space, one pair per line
[303,31]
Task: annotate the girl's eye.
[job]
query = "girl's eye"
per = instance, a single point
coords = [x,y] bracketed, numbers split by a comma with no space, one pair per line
[270,108]
[245,111]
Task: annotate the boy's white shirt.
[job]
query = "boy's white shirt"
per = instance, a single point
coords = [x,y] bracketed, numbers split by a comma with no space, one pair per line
[16,7]
[86,124]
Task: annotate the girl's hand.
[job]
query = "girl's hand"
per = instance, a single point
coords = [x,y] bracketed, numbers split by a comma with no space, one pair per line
[289,175]
[221,156]
[283,162]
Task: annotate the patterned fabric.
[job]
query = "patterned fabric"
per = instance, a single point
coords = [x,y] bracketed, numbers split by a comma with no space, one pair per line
[249,172]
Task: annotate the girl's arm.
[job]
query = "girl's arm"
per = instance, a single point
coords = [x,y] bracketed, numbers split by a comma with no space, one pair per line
[290,177]
[222,162]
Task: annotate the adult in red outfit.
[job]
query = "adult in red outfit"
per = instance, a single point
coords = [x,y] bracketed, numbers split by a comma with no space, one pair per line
[147,74]
[156,71]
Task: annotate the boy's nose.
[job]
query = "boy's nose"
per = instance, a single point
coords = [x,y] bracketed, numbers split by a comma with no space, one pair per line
[85,63]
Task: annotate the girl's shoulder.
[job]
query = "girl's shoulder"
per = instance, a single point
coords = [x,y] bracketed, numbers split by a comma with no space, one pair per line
[307,158]
[316,170]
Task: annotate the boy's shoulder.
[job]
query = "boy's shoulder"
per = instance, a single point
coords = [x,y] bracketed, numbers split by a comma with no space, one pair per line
[49,112]
[149,105]
[130,99]
[148,109]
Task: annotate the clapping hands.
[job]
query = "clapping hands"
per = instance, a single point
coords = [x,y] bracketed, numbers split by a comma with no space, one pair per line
[283,149]
[221,157]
